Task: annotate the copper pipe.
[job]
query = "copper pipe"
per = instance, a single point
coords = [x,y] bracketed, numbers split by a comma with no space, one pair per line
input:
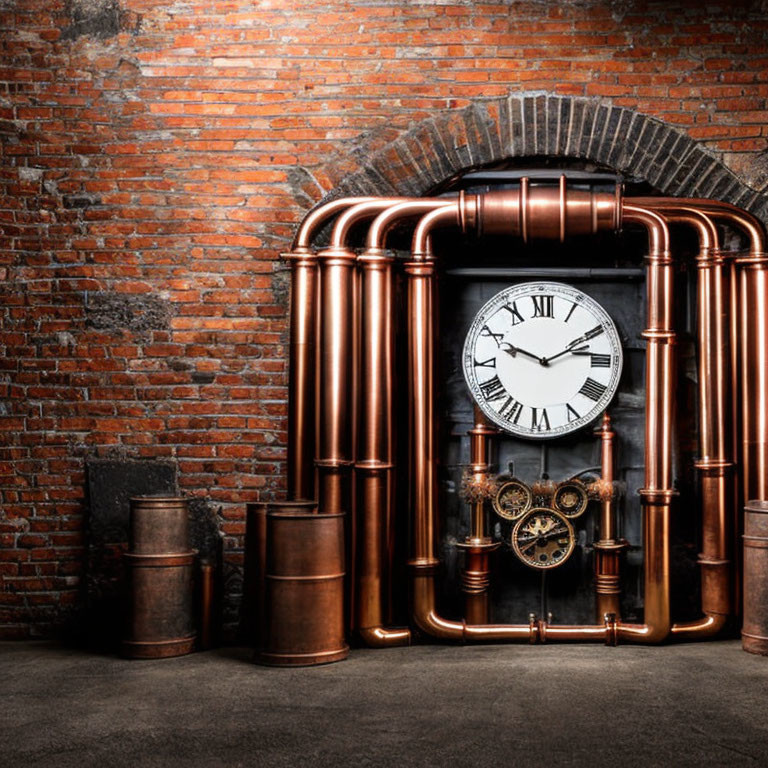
[338,333]
[420,275]
[338,379]
[753,321]
[476,576]
[607,549]
[656,496]
[715,464]
[301,364]
[374,467]
[207,581]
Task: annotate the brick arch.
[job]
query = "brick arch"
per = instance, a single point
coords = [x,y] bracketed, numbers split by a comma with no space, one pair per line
[538,125]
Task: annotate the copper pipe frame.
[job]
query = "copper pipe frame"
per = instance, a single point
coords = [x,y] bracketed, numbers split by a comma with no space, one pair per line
[301,362]
[420,281]
[657,494]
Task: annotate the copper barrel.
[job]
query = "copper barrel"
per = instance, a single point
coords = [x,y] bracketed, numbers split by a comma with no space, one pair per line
[754,632]
[304,588]
[160,566]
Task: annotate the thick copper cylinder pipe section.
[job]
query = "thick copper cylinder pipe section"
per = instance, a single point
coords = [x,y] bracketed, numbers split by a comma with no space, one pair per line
[374,464]
[337,360]
[302,361]
[716,469]
[338,379]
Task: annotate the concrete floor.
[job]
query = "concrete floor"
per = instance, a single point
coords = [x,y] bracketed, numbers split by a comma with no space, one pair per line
[684,705]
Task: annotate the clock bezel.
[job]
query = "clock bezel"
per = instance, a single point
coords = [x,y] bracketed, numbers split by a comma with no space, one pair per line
[511,293]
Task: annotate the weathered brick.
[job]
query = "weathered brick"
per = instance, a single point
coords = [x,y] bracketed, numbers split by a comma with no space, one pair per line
[153,173]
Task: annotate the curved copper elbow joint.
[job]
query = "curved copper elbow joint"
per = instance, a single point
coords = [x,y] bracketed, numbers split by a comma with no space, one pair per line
[380,637]
[709,626]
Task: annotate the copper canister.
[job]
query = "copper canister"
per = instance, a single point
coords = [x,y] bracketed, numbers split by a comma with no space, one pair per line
[754,633]
[304,587]
[159,565]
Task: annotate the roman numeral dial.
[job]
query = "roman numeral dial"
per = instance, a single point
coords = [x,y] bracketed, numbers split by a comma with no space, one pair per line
[542,359]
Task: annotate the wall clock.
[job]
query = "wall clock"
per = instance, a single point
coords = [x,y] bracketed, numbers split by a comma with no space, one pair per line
[542,359]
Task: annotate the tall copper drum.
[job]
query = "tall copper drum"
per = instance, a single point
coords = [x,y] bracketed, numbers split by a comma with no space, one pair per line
[754,632]
[304,587]
[160,577]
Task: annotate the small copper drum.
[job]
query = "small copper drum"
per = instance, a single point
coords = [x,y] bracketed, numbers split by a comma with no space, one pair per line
[160,566]
[304,587]
[754,633]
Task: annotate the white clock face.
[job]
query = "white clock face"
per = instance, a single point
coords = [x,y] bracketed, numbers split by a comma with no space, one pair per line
[542,359]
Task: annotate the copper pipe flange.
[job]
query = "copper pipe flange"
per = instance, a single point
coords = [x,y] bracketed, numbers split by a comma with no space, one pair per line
[485,544]
[424,565]
[373,465]
[535,629]
[611,629]
[611,545]
[714,467]
[339,464]
[475,582]
[657,495]
[662,336]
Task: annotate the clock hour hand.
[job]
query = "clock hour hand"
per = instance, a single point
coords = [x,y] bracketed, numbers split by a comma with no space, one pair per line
[510,349]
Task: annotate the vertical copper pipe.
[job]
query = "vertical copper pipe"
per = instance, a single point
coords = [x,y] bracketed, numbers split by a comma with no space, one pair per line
[607,549]
[207,580]
[714,464]
[753,322]
[338,376]
[375,466]
[302,363]
[375,463]
[656,496]
[475,577]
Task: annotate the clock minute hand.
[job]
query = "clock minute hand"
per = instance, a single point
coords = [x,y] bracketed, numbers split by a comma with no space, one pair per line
[570,348]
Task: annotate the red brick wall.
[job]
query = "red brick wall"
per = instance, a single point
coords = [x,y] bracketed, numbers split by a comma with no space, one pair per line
[156,159]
